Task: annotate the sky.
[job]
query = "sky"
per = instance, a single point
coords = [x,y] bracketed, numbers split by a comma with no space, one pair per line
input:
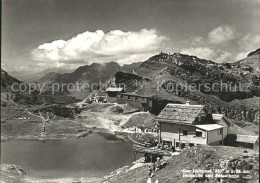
[40,34]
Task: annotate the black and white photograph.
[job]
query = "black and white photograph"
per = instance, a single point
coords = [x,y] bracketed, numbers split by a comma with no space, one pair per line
[130,91]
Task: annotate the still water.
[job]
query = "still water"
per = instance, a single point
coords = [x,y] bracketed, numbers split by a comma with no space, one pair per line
[92,156]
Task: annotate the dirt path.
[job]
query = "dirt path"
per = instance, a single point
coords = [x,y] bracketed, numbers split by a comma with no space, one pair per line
[44,124]
[106,119]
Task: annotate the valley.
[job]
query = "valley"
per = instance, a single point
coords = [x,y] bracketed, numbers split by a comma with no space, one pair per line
[72,115]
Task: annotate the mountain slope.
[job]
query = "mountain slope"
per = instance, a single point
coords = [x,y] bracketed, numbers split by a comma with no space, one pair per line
[252,60]
[181,77]
[92,75]
[30,77]
[12,94]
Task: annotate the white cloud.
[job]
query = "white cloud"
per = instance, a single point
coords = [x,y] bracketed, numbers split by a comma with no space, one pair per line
[3,65]
[135,58]
[241,55]
[211,47]
[89,47]
[197,40]
[201,52]
[224,57]
[221,34]
[249,42]
[216,55]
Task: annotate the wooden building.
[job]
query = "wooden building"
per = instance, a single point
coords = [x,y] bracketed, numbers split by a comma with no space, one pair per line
[183,125]
[112,93]
[141,102]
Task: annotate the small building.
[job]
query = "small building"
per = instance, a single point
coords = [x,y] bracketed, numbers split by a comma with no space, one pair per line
[183,125]
[223,121]
[112,93]
[141,102]
[248,141]
[99,97]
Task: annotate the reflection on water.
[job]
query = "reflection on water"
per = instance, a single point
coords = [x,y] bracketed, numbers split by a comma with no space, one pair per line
[86,157]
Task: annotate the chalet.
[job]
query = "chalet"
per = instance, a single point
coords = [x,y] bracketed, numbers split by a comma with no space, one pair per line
[113,90]
[112,93]
[183,125]
[141,102]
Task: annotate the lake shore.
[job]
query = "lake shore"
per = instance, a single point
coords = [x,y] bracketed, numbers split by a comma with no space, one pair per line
[104,123]
[14,173]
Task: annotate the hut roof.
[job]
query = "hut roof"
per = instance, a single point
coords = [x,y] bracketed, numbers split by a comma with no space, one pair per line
[209,127]
[136,95]
[247,138]
[217,117]
[180,113]
[114,89]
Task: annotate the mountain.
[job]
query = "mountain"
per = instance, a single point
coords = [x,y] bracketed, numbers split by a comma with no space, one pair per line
[93,74]
[11,94]
[228,88]
[8,95]
[29,77]
[89,73]
[256,52]
[178,77]
[252,60]
[131,67]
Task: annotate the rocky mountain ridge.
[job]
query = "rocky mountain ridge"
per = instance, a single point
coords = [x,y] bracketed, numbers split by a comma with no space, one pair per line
[181,71]
[14,92]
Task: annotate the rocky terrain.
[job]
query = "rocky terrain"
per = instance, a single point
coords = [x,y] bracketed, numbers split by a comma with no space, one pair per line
[205,158]
[19,93]
[94,73]
[192,161]
[228,88]
[187,77]
[25,77]
[14,173]
[47,116]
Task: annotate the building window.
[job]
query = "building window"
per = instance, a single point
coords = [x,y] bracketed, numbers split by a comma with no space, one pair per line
[136,98]
[220,131]
[198,134]
[182,145]
[185,132]
[177,144]
[129,97]
[121,96]
[191,144]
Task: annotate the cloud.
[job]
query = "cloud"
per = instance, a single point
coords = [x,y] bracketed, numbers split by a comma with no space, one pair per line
[249,42]
[197,40]
[101,47]
[211,47]
[224,56]
[221,34]
[241,55]
[209,54]
[202,52]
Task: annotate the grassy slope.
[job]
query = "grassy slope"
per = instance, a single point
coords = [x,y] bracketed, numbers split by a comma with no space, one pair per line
[172,173]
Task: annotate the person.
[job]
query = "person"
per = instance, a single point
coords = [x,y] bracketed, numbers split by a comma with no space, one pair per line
[157,164]
[150,171]
[149,180]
